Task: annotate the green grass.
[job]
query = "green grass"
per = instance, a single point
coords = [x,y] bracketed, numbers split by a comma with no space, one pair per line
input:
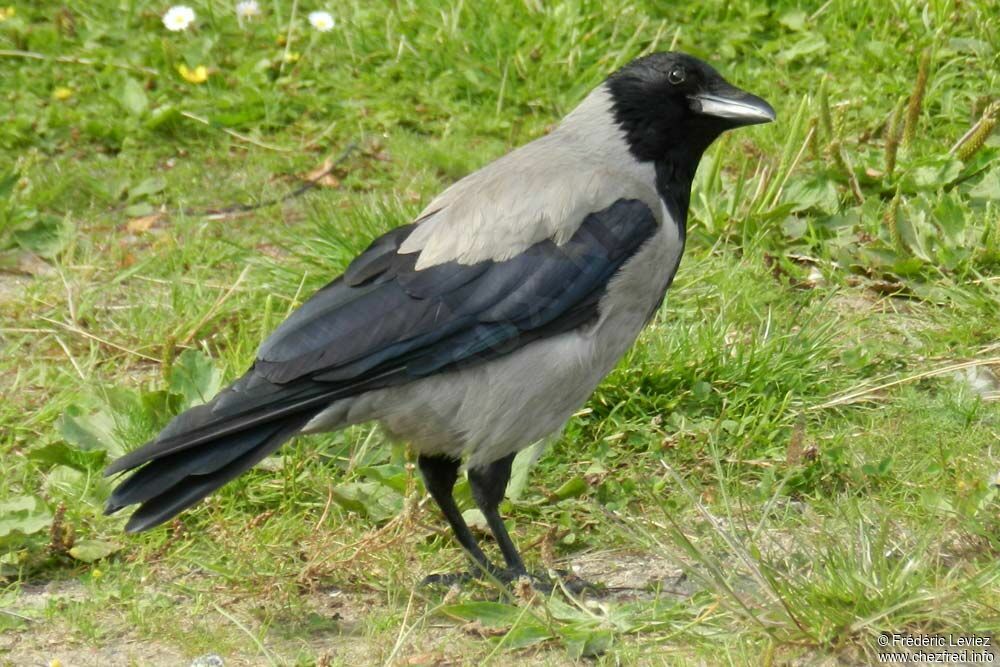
[780,433]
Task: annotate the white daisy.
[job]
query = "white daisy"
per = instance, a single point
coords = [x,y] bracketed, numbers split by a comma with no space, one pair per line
[178,18]
[322,21]
[247,9]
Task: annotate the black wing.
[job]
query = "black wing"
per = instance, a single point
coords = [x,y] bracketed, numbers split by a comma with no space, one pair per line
[383,322]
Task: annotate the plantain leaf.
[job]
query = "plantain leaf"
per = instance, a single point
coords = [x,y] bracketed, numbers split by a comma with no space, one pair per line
[90,550]
[21,516]
[133,97]
[195,378]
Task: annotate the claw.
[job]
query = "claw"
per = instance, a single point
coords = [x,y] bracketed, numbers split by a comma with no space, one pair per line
[448,579]
[540,582]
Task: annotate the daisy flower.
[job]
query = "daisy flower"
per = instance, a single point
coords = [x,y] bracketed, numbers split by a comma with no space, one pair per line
[178,18]
[322,21]
[247,9]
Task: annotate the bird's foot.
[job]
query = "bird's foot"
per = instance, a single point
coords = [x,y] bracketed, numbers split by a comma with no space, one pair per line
[564,580]
[510,577]
[449,579]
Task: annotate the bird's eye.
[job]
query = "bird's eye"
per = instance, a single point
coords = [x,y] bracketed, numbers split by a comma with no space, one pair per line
[676,75]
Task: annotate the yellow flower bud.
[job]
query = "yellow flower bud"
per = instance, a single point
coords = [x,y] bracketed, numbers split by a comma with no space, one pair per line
[197,75]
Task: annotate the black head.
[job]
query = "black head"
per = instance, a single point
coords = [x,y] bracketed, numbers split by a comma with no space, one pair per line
[672,106]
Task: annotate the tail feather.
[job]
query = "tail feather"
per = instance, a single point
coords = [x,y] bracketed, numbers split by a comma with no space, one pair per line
[213,443]
[219,418]
[160,475]
[174,484]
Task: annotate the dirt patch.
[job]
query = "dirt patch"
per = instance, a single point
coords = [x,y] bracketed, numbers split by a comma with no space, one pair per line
[338,630]
[340,626]
[55,651]
[631,575]
[12,287]
[40,642]
[852,302]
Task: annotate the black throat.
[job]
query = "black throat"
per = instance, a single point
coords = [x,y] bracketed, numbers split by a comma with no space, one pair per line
[667,136]
[673,184]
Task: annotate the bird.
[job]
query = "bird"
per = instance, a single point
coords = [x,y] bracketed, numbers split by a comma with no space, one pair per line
[479,328]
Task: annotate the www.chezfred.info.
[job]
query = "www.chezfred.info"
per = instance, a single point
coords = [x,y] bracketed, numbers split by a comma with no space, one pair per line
[962,649]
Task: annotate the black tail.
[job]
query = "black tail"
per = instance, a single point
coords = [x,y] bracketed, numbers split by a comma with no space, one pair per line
[165,487]
[210,445]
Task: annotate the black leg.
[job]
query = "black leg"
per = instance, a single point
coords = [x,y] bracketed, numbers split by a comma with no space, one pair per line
[488,485]
[440,474]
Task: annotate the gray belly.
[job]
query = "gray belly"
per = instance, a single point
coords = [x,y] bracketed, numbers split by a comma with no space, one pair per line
[488,411]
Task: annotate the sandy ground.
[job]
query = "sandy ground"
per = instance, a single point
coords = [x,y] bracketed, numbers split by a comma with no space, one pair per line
[627,576]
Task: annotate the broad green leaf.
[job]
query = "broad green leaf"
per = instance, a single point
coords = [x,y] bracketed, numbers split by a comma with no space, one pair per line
[21,516]
[879,257]
[878,48]
[370,499]
[475,518]
[571,488]
[794,19]
[932,174]
[776,213]
[909,267]
[135,416]
[950,217]
[150,186]
[66,482]
[840,222]
[818,193]
[566,612]
[794,227]
[907,227]
[490,614]
[89,431]
[90,550]
[951,257]
[391,475]
[163,118]
[523,463]
[525,633]
[988,188]
[7,621]
[139,210]
[811,44]
[350,498]
[60,453]
[133,97]
[244,116]
[159,406]
[586,643]
[7,182]
[970,45]
[195,377]
[46,237]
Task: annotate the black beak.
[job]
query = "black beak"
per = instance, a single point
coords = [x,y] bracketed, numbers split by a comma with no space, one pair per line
[735,106]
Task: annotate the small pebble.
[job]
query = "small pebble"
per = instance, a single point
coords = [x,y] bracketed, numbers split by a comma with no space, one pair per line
[208,660]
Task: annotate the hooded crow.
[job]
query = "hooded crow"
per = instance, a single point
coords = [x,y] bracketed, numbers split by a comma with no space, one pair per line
[481,327]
